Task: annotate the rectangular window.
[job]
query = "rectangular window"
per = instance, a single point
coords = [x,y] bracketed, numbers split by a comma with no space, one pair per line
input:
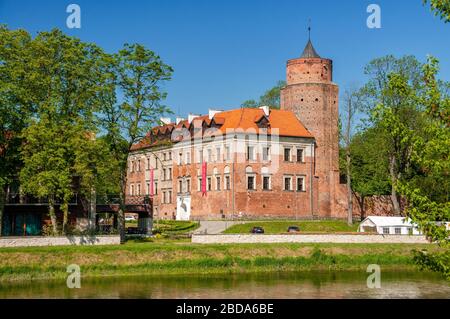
[148,189]
[209,154]
[156,188]
[218,183]
[138,189]
[180,158]
[148,163]
[170,197]
[250,153]
[163,197]
[218,154]
[188,158]
[287,183]
[156,162]
[170,155]
[300,155]
[251,182]
[398,231]
[164,156]
[266,183]
[180,186]
[227,182]
[287,154]
[301,184]
[131,190]
[209,184]
[164,174]
[386,230]
[227,153]
[170,174]
[188,185]
[266,153]
[139,165]
[199,184]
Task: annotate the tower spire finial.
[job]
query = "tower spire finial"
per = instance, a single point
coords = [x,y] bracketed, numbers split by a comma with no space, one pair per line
[309,51]
[309,29]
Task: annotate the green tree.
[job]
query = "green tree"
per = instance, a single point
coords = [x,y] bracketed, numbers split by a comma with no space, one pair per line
[47,172]
[382,99]
[440,8]
[64,81]
[429,206]
[138,73]
[14,106]
[369,174]
[352,105]
[250,104]
[271,97]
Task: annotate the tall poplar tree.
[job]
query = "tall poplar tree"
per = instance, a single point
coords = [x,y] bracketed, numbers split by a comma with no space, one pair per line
[138,74]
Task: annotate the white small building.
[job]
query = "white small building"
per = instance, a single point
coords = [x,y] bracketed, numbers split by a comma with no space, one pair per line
[389,226]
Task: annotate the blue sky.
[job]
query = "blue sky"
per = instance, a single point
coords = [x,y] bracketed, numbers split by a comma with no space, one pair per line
[224,52]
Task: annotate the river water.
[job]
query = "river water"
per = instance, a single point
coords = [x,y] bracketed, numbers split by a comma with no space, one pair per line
[274,285]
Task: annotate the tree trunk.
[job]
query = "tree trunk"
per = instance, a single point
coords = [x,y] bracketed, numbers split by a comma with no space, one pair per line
[349,190]
[394,195]
[51,212]
[362,207]
[2,208]
[122,209]
[65,209]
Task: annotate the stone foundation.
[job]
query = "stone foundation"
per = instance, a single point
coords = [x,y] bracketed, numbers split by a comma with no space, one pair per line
[58,241]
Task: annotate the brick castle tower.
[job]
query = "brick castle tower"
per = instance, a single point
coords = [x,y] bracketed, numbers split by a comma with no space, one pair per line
[313,97]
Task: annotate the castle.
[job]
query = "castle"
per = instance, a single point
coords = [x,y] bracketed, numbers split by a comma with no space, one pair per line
[249,162]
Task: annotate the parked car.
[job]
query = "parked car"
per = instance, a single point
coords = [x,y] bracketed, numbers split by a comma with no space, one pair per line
[257,230]
[293,229]
[130,218]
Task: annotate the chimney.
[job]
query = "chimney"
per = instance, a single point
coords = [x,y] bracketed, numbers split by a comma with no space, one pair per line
[165,120]
[212,112]
[266,109]
[191,117]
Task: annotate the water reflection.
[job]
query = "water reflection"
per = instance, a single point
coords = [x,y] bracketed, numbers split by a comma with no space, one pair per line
[274,285]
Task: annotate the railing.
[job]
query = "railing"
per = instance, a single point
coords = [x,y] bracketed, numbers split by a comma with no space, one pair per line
[129,200]
[22,199]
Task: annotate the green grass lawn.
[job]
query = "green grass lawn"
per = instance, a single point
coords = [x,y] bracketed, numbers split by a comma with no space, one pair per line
[170,227]
[174,227]
[279,227]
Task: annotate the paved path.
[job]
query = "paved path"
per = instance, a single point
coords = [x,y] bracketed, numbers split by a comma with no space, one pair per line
[212,227]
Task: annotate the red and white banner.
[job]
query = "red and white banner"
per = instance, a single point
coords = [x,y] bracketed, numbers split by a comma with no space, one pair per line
[151,190]
[204,170]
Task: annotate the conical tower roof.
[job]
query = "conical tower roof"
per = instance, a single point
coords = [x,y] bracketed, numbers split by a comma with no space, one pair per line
[309,51]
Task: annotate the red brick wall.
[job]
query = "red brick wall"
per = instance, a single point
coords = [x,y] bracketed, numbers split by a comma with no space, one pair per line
[259,203]
[312,96]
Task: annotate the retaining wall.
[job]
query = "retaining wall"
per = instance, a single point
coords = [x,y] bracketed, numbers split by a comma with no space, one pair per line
[58,241]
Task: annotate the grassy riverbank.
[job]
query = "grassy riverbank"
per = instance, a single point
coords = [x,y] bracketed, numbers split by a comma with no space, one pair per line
[279,227]
[182,257]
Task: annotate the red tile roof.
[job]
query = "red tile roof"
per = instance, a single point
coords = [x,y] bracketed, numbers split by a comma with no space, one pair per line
[247,118]
[238,119]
